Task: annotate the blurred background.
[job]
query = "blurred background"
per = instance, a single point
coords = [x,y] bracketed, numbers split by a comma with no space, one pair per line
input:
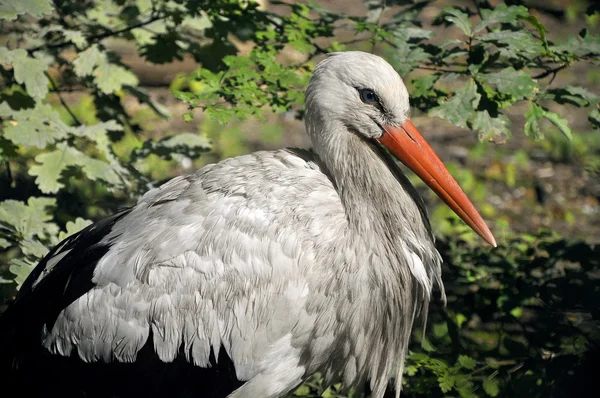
[100,100]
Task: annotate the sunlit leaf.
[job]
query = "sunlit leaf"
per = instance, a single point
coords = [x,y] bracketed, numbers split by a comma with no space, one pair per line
[28,219]
[21,268]
[559,122]
[501,14]
[491,388]
[459,18]
[518,84]
[88,60]
[29,71]
[108,76]
[446,382]
[532,119]
[33,248]
[74,227]
[467,362]
[11,9]
[459,109]
[51,166]
[38,127]
[76,37]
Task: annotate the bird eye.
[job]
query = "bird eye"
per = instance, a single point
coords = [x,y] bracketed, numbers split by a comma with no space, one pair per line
[368,96]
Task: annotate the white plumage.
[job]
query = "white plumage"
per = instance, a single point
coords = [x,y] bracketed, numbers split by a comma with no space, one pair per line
[293,262]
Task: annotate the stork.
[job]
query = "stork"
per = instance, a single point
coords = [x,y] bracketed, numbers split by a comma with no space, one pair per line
[250,275]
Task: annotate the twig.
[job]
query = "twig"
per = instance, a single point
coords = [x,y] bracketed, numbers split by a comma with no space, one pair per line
[374,38]
[94,39]
[478,9]
[550,72]
[8,172]
[62,100]
[440,69]
[71,90]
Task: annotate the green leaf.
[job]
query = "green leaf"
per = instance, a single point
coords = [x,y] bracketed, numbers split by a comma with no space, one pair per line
[37,127]
[533,20]
[411,33]
[519,44]
[584,45]
[491,387]
[302,391]
[534,114]
[52,165]
[446,382]
[4,243]
[109,77]
[458,18]
[76,37]
[573,95]
[164,48]
[406,56]
[87,60]
[74,227]
[518,84]
[559,122]
[33,248]
[459,109]
[467,362]
[29,71]
[423,85]
[11,9]
[501,14]
[28,220]
[517,312]
[491,128]
[21,269]
[98,133]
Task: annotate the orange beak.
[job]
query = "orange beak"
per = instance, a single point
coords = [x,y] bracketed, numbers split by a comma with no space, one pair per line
[409,146]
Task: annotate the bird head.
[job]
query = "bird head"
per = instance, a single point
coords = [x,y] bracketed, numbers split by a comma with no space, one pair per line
[364,94]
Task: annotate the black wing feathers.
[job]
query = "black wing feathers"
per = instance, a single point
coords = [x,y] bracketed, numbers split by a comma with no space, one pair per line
[69,279]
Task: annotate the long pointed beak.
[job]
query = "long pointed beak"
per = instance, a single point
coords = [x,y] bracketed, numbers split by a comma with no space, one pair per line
[409,146]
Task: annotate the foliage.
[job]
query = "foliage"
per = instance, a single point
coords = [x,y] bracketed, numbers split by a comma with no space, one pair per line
[503,60]
[73,150]
[523,312]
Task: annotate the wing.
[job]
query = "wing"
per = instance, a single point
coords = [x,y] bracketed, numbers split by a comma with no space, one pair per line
[50,288]
[215,259]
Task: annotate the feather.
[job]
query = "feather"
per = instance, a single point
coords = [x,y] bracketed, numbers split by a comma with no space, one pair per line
[278,263]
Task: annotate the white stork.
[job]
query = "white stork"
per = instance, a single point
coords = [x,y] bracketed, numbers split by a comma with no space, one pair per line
[251,274]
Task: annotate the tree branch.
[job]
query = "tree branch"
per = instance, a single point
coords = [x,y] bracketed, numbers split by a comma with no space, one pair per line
[97,38]
[62,100]
[374,38]
[439,69]
[550,72]
[9,175]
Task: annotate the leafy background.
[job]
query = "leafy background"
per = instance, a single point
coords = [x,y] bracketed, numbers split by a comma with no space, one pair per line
[101,100]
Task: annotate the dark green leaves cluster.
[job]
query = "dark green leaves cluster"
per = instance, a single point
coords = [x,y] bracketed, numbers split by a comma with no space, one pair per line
[531,315]
[502,57]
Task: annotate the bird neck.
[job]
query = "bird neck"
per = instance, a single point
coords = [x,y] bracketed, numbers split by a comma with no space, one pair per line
[378,198]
